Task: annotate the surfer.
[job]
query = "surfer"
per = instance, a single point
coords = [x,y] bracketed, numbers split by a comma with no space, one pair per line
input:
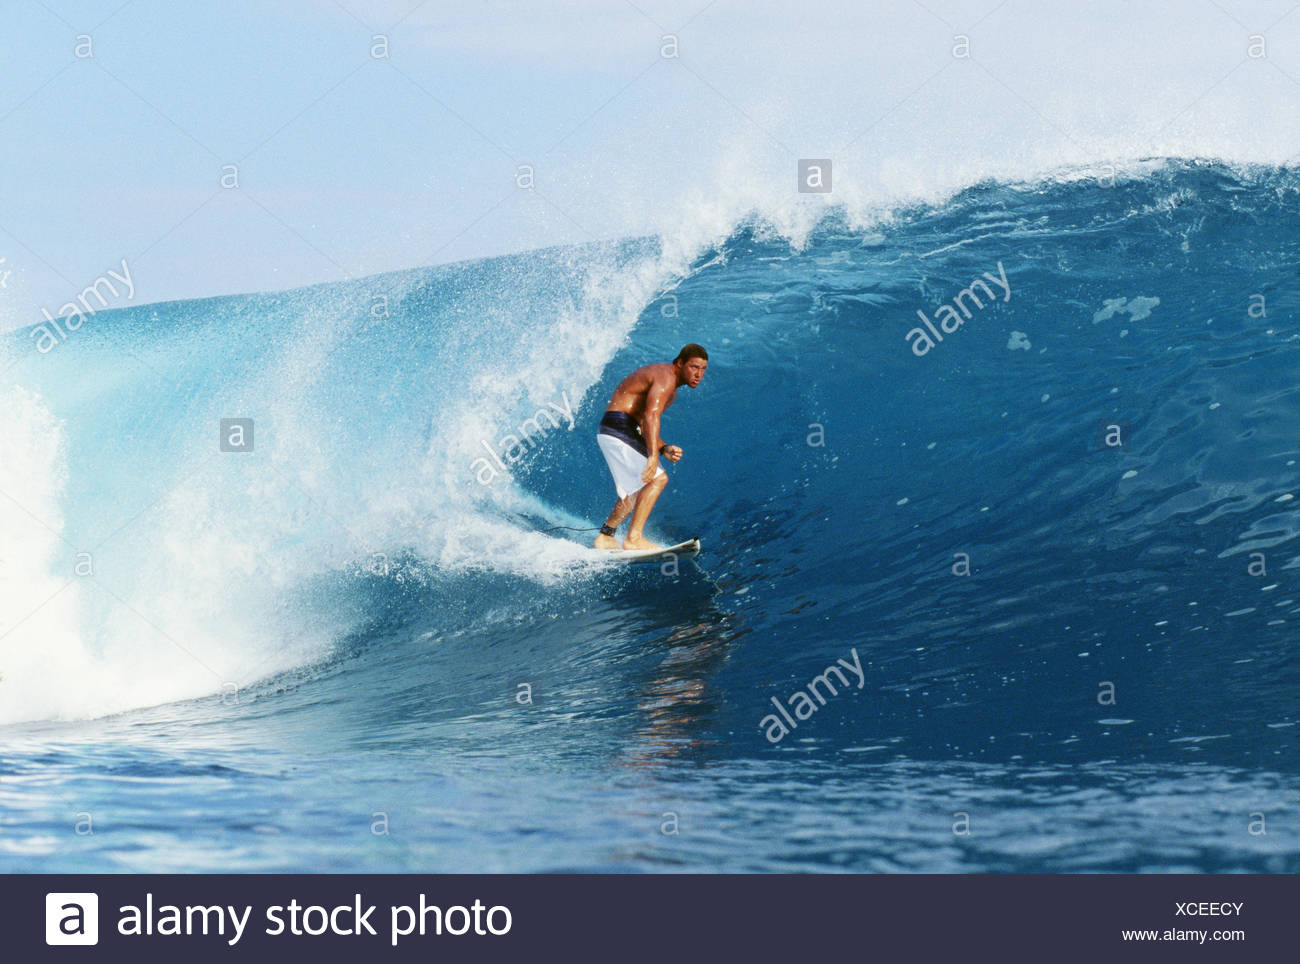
[629,433]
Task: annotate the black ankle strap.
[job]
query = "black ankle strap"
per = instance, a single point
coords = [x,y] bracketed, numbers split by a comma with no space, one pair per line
[607,530]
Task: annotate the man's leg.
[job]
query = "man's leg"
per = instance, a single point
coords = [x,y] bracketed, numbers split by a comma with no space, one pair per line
[645,501]
[621,508]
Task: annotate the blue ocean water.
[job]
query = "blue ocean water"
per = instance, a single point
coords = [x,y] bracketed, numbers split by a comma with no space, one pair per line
[1059,546]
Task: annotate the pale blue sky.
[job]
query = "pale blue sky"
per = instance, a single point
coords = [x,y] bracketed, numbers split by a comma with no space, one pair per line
[350,165]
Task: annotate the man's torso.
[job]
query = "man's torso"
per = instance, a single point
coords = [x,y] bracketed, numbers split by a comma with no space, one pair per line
[630,395]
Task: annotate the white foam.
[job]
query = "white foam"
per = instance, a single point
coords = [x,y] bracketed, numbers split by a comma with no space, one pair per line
[45,667]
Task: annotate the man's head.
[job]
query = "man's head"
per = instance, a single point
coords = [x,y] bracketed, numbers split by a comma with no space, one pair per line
[690,363]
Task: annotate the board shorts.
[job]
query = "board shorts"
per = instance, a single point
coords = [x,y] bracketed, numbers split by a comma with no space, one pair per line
[623,446]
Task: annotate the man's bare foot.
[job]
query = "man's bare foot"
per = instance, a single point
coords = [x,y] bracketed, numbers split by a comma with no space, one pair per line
[639,542]
[605,542]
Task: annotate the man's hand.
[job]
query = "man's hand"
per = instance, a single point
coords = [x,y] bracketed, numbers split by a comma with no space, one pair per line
[672,453]
[649,472]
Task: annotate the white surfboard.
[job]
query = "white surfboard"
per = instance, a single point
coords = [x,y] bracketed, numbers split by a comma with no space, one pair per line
[691,547]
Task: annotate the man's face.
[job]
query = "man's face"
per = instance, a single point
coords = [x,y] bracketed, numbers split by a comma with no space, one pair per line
[693,371]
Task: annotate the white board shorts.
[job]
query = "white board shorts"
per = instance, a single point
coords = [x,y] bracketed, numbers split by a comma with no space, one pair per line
[625,463]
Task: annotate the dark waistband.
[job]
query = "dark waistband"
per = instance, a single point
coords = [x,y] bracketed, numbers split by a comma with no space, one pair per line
[621,422]
[623,427]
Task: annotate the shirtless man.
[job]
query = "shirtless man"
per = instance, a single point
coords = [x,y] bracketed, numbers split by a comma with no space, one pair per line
[629,433]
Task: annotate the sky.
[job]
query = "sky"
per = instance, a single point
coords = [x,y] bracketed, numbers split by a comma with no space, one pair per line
[252,146]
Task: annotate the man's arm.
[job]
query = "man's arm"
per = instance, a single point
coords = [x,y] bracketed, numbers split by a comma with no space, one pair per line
[655,401]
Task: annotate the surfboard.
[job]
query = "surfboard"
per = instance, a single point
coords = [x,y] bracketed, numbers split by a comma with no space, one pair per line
[691,547]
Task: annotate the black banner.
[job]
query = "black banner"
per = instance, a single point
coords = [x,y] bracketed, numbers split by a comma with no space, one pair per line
[649,918]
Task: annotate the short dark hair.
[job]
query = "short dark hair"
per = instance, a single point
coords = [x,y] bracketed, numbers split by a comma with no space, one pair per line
[691,351]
